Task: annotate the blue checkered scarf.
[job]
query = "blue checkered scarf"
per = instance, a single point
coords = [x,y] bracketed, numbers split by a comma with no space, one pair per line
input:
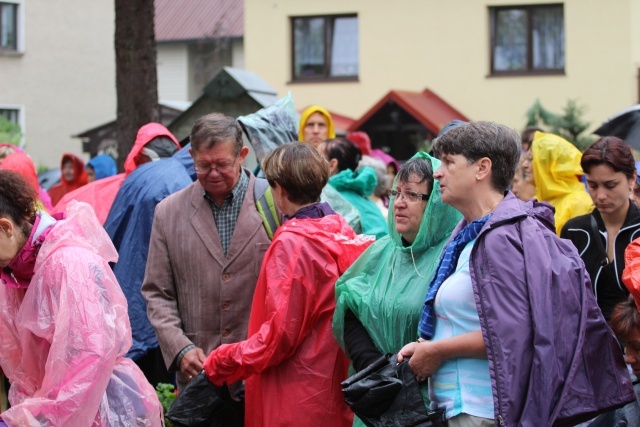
[446,267]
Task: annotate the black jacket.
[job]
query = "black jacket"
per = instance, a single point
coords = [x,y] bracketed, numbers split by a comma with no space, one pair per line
[606,279]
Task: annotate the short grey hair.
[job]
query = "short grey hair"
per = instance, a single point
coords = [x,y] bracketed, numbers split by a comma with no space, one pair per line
[384,180]
[419,167]
[213,128]
[476,140]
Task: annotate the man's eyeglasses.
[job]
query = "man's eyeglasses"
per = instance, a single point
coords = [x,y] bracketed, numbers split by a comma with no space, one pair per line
[205,168]
[408,196]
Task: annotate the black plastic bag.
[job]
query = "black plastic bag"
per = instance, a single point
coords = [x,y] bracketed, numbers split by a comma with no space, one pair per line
[271,127]
[197,404]
[386,394]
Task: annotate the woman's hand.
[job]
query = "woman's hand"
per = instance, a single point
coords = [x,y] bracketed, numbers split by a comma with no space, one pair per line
[427,356]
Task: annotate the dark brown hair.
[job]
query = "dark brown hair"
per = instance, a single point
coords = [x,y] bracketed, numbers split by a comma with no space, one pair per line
[17,199]
[344,151]
[298,168]
[611,151]
[625,318]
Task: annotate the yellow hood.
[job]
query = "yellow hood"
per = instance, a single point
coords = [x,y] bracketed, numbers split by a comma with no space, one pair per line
[305,116]
[557,171]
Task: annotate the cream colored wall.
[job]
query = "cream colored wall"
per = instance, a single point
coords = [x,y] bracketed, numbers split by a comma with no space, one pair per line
[444,45]
[173,72]
[65,79]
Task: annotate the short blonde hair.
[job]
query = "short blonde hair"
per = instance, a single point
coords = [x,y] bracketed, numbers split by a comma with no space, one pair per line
[298,168]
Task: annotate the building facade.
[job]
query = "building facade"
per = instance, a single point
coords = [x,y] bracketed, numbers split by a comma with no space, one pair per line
[57,71]
[490,59]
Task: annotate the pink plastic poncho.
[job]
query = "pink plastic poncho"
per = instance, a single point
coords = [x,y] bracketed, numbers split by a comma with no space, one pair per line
[292,364]
[62,339]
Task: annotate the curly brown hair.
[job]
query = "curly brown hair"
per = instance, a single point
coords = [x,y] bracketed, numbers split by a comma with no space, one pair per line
[17,199]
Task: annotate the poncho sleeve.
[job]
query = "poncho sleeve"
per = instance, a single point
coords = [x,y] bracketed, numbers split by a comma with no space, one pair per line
[75,319]
[286,301]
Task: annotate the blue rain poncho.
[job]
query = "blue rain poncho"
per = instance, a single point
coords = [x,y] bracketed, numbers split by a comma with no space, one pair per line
[386,287]
[129,227]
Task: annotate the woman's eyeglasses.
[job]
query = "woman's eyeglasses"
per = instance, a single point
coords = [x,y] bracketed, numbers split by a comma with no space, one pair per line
[408,196]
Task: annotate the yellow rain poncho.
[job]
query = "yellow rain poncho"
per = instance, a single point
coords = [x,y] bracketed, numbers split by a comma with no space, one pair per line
[385,288]
[331,131]
[556,171]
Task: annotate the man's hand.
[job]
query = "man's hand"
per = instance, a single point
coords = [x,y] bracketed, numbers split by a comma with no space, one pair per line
[192,363]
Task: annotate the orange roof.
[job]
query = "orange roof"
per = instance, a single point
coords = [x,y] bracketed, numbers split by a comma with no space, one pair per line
[426,107]
[341,123]
[198,19]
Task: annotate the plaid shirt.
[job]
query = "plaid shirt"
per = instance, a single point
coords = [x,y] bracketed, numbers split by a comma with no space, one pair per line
[226,215]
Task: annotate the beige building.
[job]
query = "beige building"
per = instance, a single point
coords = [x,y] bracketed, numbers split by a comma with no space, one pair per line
[57,71]
[489,59]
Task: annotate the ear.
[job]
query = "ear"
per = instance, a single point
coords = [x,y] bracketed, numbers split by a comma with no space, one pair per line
[6,227]
[193,155]
[333,166]
[243,153]
[484,168]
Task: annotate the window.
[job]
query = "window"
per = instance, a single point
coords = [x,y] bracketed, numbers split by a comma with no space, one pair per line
[8,26]
[11,114]
[527,39]
[325,48]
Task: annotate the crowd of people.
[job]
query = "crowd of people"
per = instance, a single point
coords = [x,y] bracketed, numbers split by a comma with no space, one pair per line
[503,269]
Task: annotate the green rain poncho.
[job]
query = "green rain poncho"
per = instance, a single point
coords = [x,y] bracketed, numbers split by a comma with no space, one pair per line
[356,187]
[386,286]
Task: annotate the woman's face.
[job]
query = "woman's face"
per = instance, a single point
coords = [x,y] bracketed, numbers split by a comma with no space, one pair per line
[406,212]
[632,351]
[68,172]
[527,167]
[522,189]
[457,176]
[9,242]
[609,190]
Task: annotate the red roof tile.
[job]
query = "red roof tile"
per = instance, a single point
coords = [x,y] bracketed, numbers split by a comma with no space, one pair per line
[181,20]
[426,107]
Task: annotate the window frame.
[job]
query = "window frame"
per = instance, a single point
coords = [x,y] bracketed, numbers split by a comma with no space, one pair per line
[21,119]
[19,26]
[325,77]
[530,71]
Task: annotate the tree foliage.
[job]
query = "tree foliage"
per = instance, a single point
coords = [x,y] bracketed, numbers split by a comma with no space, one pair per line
[9,131]
[569,124]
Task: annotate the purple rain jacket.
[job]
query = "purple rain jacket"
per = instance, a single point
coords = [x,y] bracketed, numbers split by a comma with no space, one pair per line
[552,358]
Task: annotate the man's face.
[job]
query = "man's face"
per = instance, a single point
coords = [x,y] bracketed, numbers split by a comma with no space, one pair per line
[224,167]
[316,129]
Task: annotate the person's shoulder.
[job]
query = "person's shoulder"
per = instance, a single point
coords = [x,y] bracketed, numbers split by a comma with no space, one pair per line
[576,224]
[179,198]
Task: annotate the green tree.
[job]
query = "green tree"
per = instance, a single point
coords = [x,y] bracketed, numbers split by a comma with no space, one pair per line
[570,124]
[9,132]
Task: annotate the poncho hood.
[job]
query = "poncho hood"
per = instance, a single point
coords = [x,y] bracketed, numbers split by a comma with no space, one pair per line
[362,182]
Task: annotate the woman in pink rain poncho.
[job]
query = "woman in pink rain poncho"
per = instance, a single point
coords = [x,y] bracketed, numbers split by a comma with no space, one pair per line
[63,320]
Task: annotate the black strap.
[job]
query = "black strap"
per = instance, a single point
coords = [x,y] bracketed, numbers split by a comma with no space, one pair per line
[603,252]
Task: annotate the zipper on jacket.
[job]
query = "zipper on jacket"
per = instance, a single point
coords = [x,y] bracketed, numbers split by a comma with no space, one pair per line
[501,420]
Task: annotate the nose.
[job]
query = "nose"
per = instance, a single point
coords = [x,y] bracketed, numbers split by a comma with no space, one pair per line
[601,194]
[438,173]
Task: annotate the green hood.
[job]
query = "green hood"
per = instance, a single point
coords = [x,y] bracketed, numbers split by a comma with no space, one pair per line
[361,182]
[386,287]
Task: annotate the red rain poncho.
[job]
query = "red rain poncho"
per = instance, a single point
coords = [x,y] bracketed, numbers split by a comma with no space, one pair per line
[64,336]
[20,162]
[292,364]
[100,194]
[63,187]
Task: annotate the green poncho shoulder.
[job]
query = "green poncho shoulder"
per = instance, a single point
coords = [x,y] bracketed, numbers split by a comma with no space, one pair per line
[386,287]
